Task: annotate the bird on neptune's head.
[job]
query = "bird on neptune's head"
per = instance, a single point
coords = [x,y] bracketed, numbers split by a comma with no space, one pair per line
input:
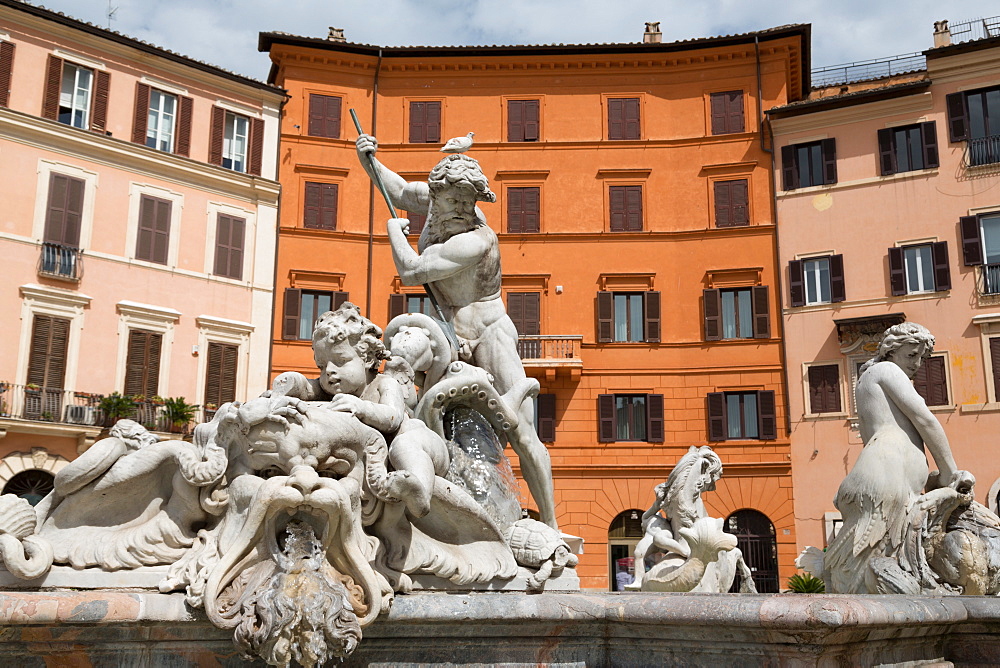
[458,144]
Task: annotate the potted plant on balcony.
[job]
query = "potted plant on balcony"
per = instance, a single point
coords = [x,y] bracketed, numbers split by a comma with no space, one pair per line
[115,407]
[157,400]
[32,388]
[178,413]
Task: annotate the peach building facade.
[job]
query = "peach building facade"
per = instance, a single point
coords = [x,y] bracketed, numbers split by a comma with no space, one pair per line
[137,234]
[638,243]
[888,210]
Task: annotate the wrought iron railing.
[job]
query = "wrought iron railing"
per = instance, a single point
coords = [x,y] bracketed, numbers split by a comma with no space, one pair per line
[864,70]
[969,31]
[540,347]
[989,279]
[983,151]
[57,405]
[61,261]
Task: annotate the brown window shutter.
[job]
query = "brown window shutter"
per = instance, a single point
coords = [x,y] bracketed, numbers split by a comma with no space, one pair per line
[972,247]
[651,308]
[928,132]
[616,195]
[761,312]
[718,111]
[229,243]
[53,83]
[182,146]
[736,121]
[397,305]
[606,418]
[99,105]
[141,119]
[712,299]
[767,416]
[217,135]
[829,149]
[433,122]
[153,241]
[654,418]
[223,228]
[292,311]
[723,206]
[531,120]
[220,374]
[942,269]
[716,410]
[313,205]
[6,71]
[740,201]
[931,382]
[338,299]
[324,116]
[142,364]
[633,127]
[546,418]
[995,359]
[958,123]
[515,210]
[515,120]
[616,119]
[64,210]
[515,310]
[897,272]
[530,210]
[838,292]
[418,123]
[328,206]
[633,208]
[49,348]
[796,283]
[605,317]
[886,152]
[789,171]
[824,389]
[532,313]
[417,222]
[256,145]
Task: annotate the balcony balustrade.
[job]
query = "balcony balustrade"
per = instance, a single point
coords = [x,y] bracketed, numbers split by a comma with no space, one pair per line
[983,151]
[59,261]
[989,280]
[549,354]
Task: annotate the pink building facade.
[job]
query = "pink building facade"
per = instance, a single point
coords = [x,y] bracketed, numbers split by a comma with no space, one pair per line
[137,234]
[888,209]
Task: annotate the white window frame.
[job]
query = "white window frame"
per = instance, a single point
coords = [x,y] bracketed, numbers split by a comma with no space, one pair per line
[159,319]
[629,296]
[989,328]
[158,117]
[45,170]
[43,300]
[76,88]
[922,289]
[176,199]
[816,275]
[249,239]
[212,329]
[230,136]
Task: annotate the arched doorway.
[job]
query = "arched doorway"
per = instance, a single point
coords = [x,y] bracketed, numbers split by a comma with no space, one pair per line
[33,485]
[756,539]
[623,535]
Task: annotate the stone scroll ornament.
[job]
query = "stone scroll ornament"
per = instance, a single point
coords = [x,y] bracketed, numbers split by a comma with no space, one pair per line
[293,519]
[906,530]
[691,551]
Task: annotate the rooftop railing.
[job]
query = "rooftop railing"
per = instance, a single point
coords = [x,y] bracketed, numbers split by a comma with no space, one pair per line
[864,70]
[974,29]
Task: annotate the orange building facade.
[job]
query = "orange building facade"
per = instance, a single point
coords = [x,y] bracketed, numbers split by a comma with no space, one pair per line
[634,213]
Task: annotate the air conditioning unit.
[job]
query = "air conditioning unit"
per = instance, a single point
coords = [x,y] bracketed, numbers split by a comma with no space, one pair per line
[81,414]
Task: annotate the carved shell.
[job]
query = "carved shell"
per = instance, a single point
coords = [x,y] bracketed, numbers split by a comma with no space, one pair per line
[17,517]
[531,541]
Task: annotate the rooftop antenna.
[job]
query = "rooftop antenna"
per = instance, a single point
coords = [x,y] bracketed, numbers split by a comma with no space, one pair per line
[111,14]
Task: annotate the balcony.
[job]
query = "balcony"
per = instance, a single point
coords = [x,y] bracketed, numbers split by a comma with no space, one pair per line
[550,354]
[988,284]
[983,151]
[59,261]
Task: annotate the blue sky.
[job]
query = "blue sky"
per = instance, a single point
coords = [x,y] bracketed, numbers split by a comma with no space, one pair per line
[224,32]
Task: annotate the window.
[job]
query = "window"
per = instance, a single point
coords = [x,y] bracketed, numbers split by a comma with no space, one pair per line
[812,164]
[324,116]
[626,208]
[162,120]
[628,316]
[522,120]
[417,222]
[908,148]
[47,358]
[425,122]
[623,118]
[321,206]
[154,230]
[75,95]
[142,364]
[732,204]
[737,313]
[816,280]
[304,307]
[630,417]
[727,112]
[995,364]
[522,209]
[236,142]
[824,388]
[229,239]
[420,302]
[742,416]
[32,485]
[981,248]
[6,69]
[919,268]
[974,116]
[524,310]
[63,216]
[220,373]
[931,381]
[545,417]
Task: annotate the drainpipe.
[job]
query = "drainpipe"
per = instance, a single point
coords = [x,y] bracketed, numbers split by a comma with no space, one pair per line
[371,192]
[778,291]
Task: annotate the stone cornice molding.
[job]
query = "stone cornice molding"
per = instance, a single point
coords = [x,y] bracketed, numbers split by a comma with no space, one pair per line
[964,66]
[148,311]
[224,324]
[66,298]
[862,111]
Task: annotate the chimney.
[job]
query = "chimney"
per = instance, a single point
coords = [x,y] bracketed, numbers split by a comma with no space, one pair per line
[942,35]
[652,34]
[336,35]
